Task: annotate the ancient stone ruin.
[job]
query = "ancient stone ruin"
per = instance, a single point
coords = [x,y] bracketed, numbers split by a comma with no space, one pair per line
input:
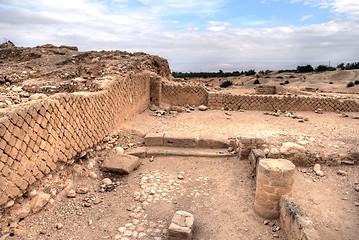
[57,104]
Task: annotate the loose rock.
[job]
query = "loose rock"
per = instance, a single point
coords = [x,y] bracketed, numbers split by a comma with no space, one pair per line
[39,202]
[71,194]
[106,181]
[59,226]
[342,173]
[203,108]
[92,175]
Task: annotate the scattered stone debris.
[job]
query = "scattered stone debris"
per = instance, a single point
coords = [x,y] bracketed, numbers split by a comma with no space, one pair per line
[319,111]
[342,173]
[318,170]
[59,226]
[71,194]
[292,115]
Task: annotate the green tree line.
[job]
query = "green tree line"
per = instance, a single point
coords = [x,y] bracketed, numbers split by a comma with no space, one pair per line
[220,73]
[300,69]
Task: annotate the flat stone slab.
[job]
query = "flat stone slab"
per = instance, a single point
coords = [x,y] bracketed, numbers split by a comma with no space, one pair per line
[186,140]
[181,227]
[144,152]
[120,163]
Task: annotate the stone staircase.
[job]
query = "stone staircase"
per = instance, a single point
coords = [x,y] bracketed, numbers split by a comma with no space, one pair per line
[186,144]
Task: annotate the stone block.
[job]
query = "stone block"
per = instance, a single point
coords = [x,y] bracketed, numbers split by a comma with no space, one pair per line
[254,157]
[213,141]
[181,227]
[173,139]
[123,164]
[154,139]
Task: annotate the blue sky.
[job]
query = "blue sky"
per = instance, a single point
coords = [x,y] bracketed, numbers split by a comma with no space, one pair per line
[194,35]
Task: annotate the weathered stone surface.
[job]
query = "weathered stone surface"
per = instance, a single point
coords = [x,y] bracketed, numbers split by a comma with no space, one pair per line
[175,139]
[71,194]
[82,190]
[212,141]
[181,226]
[202,108]
[254,157]
[317,167]
[154,139]
[120,163]
[291,148]
[118,150]
[39,201]
[23,211]
[274,179]
[295,222]
[106,181]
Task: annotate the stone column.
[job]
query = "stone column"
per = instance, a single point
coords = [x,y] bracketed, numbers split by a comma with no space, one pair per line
[274,179]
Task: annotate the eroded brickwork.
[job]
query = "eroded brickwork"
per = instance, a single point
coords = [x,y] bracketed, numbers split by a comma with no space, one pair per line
[181,94]
[279,102]
[37,136]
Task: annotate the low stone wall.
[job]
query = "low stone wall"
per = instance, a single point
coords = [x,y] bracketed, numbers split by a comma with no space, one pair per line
[244,145]
[181,94]
[280,102]
[38,135]
[295,222]
[266,89]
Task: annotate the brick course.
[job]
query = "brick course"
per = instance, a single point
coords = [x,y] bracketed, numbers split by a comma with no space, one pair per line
[36,136]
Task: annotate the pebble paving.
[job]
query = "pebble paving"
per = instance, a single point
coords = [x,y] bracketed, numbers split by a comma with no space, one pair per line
[154,188]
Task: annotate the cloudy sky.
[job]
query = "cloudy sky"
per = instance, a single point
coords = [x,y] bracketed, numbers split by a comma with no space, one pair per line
[194,35]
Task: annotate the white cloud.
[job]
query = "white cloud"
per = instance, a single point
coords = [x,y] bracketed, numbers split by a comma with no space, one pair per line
[306,17]
[349,7]
[216,26]
[97,25]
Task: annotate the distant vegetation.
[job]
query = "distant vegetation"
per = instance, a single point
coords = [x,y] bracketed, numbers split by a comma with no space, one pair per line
[220,73]
[300,69]
[351,84]
[226,84]
[348,66]
[257,81]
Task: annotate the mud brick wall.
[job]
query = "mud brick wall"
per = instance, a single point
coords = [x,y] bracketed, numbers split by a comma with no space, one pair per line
[181,94]
[283,103]
[38,135]
[266,89]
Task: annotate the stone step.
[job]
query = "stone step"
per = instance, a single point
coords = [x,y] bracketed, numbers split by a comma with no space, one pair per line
[144,152]
[188,140]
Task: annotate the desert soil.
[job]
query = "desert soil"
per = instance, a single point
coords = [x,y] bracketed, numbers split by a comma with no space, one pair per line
[219,192]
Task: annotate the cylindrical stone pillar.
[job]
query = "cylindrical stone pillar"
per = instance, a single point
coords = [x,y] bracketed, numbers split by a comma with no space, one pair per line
[274,179]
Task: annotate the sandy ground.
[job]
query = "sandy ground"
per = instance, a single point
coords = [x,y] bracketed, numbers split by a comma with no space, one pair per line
[330,131]
[219,192]
[330,201]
